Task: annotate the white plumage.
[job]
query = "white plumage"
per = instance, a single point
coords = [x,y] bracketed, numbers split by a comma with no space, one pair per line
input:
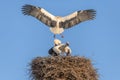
[57,42]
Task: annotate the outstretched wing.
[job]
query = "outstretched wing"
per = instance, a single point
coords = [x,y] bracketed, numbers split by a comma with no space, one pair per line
[77,17]
[39,13]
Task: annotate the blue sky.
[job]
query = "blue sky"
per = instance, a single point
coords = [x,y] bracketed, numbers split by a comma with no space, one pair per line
[23,38]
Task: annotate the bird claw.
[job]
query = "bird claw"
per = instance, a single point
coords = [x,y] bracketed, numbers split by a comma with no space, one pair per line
[62,36]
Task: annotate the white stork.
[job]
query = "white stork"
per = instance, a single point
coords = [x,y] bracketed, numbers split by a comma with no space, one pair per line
[60,49]
[57,24]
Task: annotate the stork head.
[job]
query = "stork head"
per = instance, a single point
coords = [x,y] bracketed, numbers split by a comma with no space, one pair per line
[57,42]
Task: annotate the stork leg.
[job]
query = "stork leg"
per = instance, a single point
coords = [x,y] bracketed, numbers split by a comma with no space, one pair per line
[54,36]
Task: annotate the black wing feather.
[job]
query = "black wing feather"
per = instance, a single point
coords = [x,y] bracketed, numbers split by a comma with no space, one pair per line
[77,17]
[39,14]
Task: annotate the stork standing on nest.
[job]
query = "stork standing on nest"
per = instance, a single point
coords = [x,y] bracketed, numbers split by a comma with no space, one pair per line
[57,24]
[60,48]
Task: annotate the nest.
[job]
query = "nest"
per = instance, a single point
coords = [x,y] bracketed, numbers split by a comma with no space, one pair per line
[62,68]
